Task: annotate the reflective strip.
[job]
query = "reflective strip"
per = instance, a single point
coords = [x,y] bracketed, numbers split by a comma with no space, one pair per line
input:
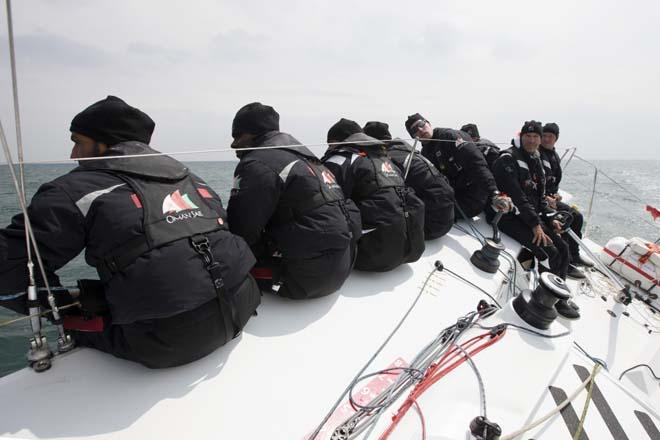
[354,158]
[523,164]
[366,231]
[339,160]
[86,201]
[287,169]
[547,164]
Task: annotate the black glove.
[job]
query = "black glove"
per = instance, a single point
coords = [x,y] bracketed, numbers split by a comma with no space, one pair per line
[92,298]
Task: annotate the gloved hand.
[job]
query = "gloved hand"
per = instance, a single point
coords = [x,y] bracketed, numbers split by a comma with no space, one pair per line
[92,298]
[502,203]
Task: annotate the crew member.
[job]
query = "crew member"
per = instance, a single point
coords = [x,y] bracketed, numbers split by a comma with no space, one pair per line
[429,184]
[289,209]
[552,168]
[519,173]
[488,148]
[461,161]
[174,282]
[392,215]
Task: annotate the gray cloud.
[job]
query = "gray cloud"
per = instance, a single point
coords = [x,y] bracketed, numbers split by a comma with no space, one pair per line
[48,49]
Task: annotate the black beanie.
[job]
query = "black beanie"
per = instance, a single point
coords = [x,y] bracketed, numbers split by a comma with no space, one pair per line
[378,130]
[411,120]
[551,127]
[255,118]
[112,121]
[532,127]
[343,129]
[472,130]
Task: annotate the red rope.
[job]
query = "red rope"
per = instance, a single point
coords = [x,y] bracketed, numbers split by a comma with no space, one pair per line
[439,370]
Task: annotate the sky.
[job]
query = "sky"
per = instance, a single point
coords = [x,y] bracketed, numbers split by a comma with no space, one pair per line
[590,66]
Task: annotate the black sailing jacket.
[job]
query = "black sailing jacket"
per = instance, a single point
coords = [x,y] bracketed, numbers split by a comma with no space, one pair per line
[392,215]
[153,204]
[520,175]
[466,168]
[552,167]
[429,184]
[285,202]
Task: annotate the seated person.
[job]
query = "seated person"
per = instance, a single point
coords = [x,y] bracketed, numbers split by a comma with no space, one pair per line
[490,151]
[552,167]
[392,216]
[429,184]
[461,161]
[519,173]
[175,281]
[289,209]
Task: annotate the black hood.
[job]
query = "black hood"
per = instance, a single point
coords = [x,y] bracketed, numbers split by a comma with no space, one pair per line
[277,138]
[366,143]
[156,167]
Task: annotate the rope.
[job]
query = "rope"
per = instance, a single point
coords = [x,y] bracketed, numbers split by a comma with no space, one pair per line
[42,313]
[556,410]
[578,432]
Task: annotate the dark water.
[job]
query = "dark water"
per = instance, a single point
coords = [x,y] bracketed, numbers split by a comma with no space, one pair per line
[615,212]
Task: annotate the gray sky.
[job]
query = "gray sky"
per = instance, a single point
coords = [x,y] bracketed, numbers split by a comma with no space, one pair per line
[590,66]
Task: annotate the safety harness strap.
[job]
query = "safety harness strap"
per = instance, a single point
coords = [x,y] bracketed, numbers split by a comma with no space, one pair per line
[202,246]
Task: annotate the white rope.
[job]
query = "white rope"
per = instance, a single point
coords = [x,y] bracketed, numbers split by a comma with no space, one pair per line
[556,410]
[214,150]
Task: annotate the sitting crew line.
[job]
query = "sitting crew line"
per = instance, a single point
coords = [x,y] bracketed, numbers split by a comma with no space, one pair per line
[295,226]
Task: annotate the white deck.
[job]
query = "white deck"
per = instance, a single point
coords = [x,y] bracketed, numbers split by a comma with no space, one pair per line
[291,363]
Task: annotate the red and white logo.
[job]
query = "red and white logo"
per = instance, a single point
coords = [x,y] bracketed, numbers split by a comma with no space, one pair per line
[328,178]
[387,168]
[176,202]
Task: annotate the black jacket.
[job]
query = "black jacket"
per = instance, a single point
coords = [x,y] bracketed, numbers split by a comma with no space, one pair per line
[286,202]
[466,168]
[552,167]
[429,184]
[133,217]
[520,176]
[392,216]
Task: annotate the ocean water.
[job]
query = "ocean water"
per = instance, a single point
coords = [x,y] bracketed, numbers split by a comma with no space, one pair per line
[616,211]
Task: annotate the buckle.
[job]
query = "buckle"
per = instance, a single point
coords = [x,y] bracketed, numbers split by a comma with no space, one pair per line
[200,243]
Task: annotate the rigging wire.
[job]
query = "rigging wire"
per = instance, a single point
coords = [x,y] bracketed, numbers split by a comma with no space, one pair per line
[43,312]
[375,354]
[19,136]
[639,366]
[22,203]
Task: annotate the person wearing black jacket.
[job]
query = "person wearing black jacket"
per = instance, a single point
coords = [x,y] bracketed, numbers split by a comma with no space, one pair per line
[461,161]
[392,215]
[519,173]
[552,168]
[289,209]
[174,282]
[490,151]
[429,184]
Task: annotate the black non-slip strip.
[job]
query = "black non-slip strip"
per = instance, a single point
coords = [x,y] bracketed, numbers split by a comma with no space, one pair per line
[602,406]
[568,413]
[648,425]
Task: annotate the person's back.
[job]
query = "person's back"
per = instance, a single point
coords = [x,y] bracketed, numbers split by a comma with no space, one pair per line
[429,184]
[392,216]
[153,231]
[290,210]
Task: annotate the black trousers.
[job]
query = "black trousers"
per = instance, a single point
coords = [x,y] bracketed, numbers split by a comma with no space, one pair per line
[557,252]
[576,226]
[175,340]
